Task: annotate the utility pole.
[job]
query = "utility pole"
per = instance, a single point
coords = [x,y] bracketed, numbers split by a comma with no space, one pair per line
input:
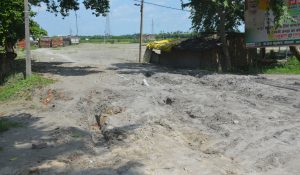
[76,23]
[152,27]
[141,30]
[107,32]
[27,39]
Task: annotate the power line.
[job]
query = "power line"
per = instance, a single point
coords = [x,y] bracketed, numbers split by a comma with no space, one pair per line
[159,5]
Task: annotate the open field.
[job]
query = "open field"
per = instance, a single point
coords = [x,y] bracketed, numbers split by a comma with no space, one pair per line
[101,117]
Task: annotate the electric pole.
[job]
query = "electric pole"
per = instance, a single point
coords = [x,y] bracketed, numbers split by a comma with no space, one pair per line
[27,39]
[76,23]
[141,30]
[152,27]
[107,32]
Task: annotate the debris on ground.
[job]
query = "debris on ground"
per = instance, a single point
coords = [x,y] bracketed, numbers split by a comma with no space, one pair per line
[145,83]
[169,101]
[49,97]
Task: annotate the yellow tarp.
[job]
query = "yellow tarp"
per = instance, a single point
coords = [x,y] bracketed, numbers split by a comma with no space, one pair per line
[164,45]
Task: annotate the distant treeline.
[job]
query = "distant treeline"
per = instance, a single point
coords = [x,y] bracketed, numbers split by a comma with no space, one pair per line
[134,38]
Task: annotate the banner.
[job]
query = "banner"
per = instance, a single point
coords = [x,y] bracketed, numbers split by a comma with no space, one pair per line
[260,29]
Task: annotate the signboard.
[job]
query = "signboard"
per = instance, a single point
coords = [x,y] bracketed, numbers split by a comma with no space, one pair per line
[259,25]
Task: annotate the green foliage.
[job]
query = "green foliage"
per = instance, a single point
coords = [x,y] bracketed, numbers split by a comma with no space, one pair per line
[205,14]
[36,30]
[292,66]
[6,125]
[12,16]
[98,7]
[280,10]
[12,23]
[17,85]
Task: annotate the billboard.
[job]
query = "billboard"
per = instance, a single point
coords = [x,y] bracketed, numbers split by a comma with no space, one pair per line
[259,25]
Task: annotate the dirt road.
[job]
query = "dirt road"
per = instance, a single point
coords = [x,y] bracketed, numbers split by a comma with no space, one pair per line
[109,115]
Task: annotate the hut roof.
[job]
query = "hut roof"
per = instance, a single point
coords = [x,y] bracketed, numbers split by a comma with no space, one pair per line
[198,44]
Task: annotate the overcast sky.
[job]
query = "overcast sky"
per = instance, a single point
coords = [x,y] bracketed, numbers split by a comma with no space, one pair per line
[124,19]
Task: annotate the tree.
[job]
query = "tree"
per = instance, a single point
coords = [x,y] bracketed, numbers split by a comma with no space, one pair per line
[36,30]
[12,27]
[218,16]
[12,23]
[226,15]
[206,18]
[98,7]
[11,30]
[12,17]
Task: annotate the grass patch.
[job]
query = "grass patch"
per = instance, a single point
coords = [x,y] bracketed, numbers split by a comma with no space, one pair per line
[16,85]
[292,66]
[7,124]
[33,47]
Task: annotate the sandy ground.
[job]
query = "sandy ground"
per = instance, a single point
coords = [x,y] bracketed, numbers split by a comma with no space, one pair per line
[103,119]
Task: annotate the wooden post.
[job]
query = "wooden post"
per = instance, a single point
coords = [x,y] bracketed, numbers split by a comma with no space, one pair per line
[27,39]
[141,30]
[262,53]
[222,33]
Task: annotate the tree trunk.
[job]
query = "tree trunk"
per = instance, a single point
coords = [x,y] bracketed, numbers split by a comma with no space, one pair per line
[7,61]
[9,47]
[295,51]
[222,34]
[6,67]
[262,53]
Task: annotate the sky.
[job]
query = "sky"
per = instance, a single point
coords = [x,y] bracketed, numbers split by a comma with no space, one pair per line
[124,19]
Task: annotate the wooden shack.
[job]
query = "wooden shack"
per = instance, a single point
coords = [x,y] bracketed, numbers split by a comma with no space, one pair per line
[57,42]
[67,41]
[206,53]
[45,42]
